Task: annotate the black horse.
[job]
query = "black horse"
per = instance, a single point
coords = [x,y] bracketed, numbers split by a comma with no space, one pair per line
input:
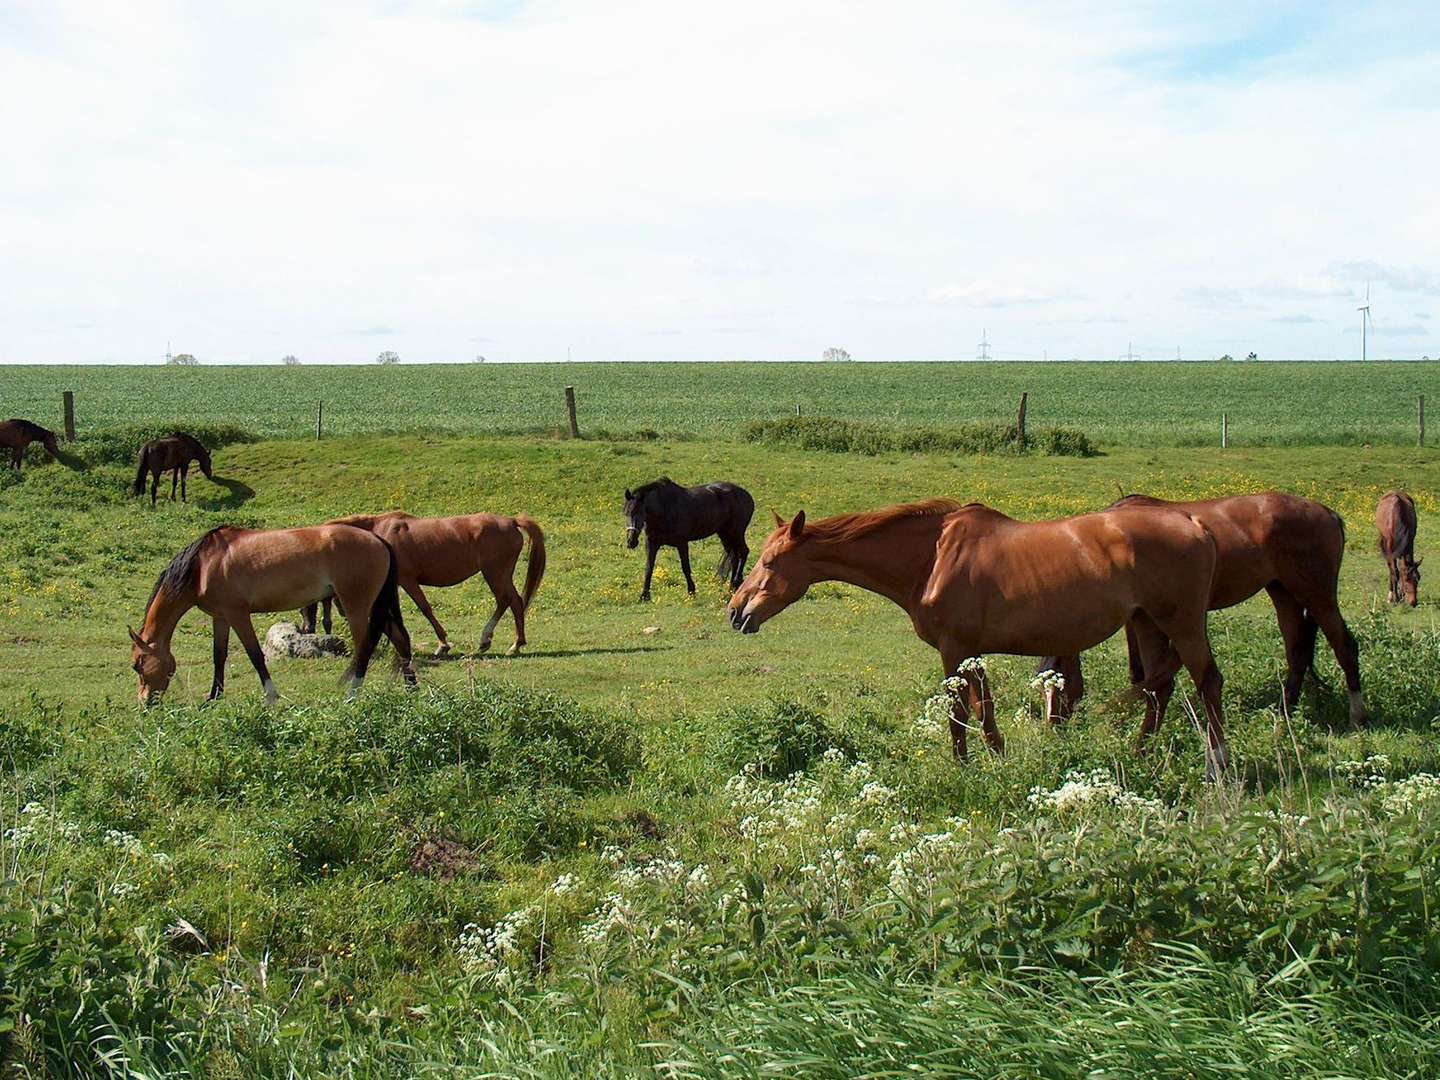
[669,514]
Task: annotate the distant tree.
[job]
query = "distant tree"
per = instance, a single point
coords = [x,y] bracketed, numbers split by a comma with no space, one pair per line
[479,359]
[183,359]
[389,356]
[290,360]
[1227,356]
[1252,356]
[838,356]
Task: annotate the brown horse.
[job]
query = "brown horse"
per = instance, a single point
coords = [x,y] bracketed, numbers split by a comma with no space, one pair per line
[230,573]
[1395,518]
[173,454]
[974,581]
[1288,546]
[17,435]
[446,551]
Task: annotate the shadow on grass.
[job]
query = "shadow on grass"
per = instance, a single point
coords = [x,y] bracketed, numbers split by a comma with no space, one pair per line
[237,493]
[535,654]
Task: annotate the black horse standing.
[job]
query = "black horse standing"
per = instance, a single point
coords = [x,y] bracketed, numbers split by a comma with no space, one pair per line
[669,514]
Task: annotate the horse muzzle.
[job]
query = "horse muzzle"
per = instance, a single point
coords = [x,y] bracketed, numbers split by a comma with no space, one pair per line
[744,622]
[632,538]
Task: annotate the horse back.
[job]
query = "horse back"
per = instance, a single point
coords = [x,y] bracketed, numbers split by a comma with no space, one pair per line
[1395,521]
[283,569]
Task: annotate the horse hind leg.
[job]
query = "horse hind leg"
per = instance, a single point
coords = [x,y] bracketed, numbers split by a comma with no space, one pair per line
[1347,654]
[1191,642]
[1159,663]
[1298,633]
[174,481]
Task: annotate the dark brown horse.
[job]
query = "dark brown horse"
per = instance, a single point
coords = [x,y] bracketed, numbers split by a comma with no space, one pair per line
[172,453]
[974,581]
[446,551]
[230,573]
[672,516]
[1395,518]
[17,435]
[1288,546]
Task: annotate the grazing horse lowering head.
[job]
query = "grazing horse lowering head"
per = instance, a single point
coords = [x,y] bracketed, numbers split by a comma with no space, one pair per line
[155,665]
[1410,581]
[779,578]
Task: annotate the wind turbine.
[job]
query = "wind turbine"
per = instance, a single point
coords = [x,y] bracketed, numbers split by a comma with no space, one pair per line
[1365,321]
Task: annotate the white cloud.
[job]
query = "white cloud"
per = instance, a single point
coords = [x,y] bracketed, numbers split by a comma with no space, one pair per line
[250,181]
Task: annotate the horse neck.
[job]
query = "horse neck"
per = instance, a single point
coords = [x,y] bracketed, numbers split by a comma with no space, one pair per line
[894,560]
[164,614]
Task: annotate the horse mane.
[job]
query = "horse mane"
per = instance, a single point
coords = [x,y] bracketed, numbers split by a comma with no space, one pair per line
[366,521]
[194,445]
[664,483]
[843,528]
[183,569]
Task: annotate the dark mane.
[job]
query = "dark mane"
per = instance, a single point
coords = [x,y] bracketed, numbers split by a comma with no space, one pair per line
[843,528]
[664,483]
[180,574]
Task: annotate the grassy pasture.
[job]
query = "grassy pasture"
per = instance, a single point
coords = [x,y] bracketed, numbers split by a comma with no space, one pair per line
[1143,404]
[557,864]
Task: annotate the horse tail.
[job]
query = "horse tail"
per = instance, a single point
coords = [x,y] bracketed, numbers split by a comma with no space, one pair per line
[729,564]
[386,608]
[535,569]
[140,470]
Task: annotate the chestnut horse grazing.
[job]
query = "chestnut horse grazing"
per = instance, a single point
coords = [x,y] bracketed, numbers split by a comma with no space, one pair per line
[1395,518]
[974,581]
[173,454]
[17,435]
[446,551]
[1288,546]
[230,573]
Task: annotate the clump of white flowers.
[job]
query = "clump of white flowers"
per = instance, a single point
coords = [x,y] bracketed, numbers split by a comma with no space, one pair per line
[1096,789]
[493,951]
[915,869]
[1049,682]
[1411,794]
[1365,774]
[38,824]
[564,884]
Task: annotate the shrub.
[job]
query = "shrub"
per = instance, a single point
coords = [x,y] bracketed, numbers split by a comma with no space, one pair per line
[782,737]
[853,436]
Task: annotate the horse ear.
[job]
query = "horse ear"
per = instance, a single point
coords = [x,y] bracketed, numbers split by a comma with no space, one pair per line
[779,521]
[628,496]
[138,640]
[797,527]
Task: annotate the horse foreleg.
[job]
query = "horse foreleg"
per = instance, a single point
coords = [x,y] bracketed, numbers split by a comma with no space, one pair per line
[174,480]
[977,690]
[307,618]
[413,590]
[221,652]
[154,486]
[184,475]
[651,550]
[684,550]
[328,604]
[245,631]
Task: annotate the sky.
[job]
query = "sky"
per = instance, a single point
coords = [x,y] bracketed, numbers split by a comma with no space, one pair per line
[752,180]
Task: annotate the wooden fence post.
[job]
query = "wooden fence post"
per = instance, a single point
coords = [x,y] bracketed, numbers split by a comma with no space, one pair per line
[570,408]
[1224,431]
[797,408]
[1421,441]
[319,420]
[70,415]
[1020,420]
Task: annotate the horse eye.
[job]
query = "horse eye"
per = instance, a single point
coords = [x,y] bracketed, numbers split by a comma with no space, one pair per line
[135,667]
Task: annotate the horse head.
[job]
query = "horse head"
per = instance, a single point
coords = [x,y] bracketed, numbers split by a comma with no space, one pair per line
[154,664]
[779,578]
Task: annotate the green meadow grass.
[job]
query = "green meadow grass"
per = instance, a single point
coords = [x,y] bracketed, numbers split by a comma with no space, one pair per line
[1142,404]
[557,864]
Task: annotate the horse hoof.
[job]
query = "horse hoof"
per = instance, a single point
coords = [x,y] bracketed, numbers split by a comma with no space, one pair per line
[442,649]
[514,650]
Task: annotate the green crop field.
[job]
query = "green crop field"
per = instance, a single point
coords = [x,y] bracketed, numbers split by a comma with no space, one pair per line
[1143,404]
[650,846]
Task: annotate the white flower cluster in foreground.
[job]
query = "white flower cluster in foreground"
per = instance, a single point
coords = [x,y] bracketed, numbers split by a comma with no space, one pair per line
[38,825]
[1047,681]
[1097,788]
[1411,794]
[1364,774]
[492,951]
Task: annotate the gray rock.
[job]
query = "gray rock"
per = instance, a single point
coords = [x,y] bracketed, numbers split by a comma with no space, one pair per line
[285,639]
